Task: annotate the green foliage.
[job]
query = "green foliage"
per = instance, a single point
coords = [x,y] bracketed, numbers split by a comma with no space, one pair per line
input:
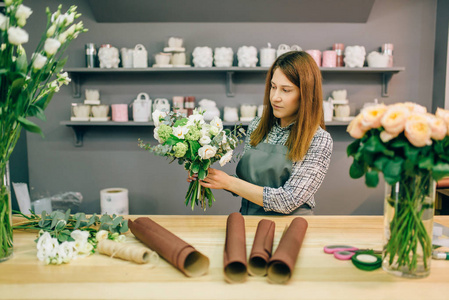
[396,158]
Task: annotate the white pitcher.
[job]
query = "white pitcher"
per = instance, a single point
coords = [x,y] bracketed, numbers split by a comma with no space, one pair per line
[142,108]
[161,104]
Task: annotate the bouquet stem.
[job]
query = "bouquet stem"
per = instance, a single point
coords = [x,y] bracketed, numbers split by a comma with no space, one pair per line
[6,242]
[408,226]
[199,195]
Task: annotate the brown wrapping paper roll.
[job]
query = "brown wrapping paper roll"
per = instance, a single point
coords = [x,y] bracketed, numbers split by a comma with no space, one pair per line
[176,251]
[234,257]
[262,248]
[282,264]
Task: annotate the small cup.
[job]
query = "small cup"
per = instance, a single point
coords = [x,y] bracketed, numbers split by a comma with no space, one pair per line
[119,112]
[162,59]
[178,59]
[80,110]
[100,111]
[92,94]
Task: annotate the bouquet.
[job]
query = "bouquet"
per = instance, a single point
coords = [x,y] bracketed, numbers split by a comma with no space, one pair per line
[27,85]
[63,237]
[196,145]
[410,147]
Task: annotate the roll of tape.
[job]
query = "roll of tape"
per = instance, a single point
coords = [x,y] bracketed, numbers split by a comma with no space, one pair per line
[114,201]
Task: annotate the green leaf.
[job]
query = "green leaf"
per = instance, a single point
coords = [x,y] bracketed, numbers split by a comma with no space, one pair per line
[59,65]
[393,169]
[124,227]
[202,174]
[440,170]
[353,148]
[44,101]
[30,126]
[172,140]
[380,163]
[372,178]
[181,122]
[426,163]
[206,164]
[374,144]
[36,111]
[22,63]
[193,149]
[16,87]
[195,167]
[356,170]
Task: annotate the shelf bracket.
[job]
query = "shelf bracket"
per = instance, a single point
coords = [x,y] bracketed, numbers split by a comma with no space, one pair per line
[229,84]
[386,77]
[78,135]
[76,86]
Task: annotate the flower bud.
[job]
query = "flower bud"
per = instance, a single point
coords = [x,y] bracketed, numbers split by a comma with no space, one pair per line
[51,46]
[3,21]
[51,30]
[39,61]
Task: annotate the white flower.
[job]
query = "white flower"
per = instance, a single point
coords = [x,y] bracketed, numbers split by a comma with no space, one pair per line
[213,130]
[17,36]
[195,118]
[83,248]
[51,46]
[39,61]
[65,252]
[8,2]
[51,30]
[71,30]
[157,115]
[101,235]
[80,235]
[204,140]
[207,152]
[180,131]
[22,14]
[54,85]
[62,37]
[3,22]
[226,158]
[120,239]
[217,122]
[205,130]
[63,78]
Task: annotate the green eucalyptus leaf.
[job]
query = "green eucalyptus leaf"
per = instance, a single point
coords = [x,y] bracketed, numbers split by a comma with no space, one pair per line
[117,221]
[124,227]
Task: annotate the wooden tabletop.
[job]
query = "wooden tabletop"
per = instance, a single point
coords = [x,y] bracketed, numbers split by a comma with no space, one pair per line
[317,275]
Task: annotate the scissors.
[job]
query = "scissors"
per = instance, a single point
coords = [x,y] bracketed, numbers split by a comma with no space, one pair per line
[345,252]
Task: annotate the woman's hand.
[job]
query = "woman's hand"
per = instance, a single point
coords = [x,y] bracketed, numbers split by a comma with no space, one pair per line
[191,178]
[217,179]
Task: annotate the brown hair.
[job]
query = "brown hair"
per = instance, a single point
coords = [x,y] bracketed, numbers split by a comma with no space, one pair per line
[300,69]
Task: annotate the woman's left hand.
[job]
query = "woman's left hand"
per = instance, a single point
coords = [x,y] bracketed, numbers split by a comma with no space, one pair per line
[216,179]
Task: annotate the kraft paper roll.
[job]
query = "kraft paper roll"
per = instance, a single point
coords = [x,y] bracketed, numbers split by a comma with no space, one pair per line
[234,257]
[135,253]
[114,201]
[262,248]
[282,264]
[174,250]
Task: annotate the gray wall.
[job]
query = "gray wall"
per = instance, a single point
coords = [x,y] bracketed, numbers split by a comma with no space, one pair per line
[110,157]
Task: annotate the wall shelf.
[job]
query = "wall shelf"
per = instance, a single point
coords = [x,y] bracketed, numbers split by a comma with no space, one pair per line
[77,73]
[79,128]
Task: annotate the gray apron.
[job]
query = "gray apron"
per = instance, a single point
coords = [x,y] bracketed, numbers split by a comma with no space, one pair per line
[266,165]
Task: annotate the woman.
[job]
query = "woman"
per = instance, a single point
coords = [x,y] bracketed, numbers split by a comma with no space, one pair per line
[287,151]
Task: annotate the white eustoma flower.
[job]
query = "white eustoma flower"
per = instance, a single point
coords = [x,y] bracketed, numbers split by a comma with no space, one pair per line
[62,37]
[157,115]
[225,158]
[217,122]
[23,12]
[83,248]
[51,46]
[39,61]
[80,235]
[63,78]
[71,30]
[65,252]
[205,130]
[207,151]
[204,140]
[54,84]
[180,131]
[3,22]
[101,235]
[17,36]
[51,30]
[195,118]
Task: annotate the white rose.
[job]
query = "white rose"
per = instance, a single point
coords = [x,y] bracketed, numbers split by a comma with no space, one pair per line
[51,46]
[180,131]
[101,235]
[3,21]
[17,36]
[39,61]
[213,130]
[157,115]
[226,158]
[23,12]
[207,152]
[204,140]
[80,235]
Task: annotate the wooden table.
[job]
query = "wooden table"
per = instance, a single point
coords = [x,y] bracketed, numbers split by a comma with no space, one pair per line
[317,275]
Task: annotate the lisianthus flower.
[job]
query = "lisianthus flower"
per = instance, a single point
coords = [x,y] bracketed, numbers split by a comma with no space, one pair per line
[63,78]
[51,46]
[180,131]
[226,158]
[101,235]
[3,22]
[80,235]
[39,61]
[204,140]
[22,14]
[17,36]
[418,132]
[217,122]
[394,119]
[372,115]
[207,151]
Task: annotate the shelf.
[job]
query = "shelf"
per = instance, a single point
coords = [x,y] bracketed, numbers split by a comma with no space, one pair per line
[79,128]
[76,73]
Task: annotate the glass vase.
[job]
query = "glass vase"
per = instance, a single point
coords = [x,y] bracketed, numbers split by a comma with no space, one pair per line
[408,225]
[6,245]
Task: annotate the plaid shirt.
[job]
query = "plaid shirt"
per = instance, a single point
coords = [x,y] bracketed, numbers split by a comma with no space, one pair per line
[307,175]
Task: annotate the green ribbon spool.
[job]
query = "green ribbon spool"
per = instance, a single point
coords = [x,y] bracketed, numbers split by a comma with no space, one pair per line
[366,261]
